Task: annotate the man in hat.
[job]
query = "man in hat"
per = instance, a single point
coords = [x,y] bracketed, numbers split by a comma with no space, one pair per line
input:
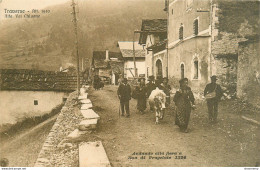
[124,95]
[150,86]
[214,91]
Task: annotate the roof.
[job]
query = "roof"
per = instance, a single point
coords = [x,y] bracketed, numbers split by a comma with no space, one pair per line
[161,45]
[151,25]
[126,48]
[37,80]
[155,26]
[99,58]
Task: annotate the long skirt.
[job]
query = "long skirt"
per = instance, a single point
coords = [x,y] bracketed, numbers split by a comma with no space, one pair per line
[182,116]
[141,103]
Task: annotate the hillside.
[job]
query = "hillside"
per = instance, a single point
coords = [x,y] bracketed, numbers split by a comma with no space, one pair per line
[47,43]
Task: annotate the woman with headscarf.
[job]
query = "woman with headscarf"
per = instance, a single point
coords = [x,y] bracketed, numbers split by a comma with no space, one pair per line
[141,96]
[184,101]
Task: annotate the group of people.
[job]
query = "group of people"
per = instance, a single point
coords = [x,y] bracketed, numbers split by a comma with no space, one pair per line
[97,83]
[184,99]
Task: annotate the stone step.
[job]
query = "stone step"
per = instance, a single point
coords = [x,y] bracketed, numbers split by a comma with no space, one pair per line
[93,154]
[89,124]
[86,106]
[85,101]
[85,87]
[82,91]
[90,114]
[76,135]
[85,96]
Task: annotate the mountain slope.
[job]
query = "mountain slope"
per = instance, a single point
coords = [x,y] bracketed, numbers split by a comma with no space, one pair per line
[47,43]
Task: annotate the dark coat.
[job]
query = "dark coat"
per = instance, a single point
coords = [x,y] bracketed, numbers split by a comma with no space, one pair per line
[149,88]
[141,97]
[166,89]
[184,98]
[211,87]
[124,92]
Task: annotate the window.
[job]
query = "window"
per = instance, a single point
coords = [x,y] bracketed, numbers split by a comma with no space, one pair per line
[196,27]
[172,11]
[182,71]
[196,69]
[64,99]
[181,33]
[159,68]
[35,102]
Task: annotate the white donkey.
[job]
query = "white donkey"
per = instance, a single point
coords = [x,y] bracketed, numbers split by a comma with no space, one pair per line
[157,101]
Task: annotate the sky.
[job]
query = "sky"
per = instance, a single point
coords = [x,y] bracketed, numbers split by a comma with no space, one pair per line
[27,4]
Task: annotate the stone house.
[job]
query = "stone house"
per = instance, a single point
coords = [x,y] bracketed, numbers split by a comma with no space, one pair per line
[32,93]
[107,65]
[153,37]
[126,49]
[248,72]
[203,39]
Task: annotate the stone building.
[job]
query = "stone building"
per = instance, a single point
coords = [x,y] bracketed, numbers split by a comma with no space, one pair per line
[153,37]
[126,49]
[107,65]
[203,39]
[32,93]
[248,72]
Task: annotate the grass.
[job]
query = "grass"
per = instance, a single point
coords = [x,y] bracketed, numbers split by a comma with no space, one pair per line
[23,151]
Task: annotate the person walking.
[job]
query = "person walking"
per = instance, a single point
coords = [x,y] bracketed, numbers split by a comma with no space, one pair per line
[141,96]
[150,86]
[213,94]
[184,101]
[167,90]
[124,95]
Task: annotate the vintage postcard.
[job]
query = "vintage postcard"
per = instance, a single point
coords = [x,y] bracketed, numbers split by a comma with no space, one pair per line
[129,83]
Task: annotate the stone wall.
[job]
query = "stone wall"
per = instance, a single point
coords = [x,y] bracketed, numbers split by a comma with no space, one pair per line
[196,49]
[232,22]
[55,151]
[37,80]
[248,77]
[17,106]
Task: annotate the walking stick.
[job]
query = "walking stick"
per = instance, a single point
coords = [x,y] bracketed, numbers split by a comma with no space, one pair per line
[119,111]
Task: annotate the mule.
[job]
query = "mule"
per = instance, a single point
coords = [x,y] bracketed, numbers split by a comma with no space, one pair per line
[157,101]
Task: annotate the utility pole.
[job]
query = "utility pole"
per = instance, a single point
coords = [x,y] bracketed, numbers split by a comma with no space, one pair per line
[76,42]
[167,40]
[134,55]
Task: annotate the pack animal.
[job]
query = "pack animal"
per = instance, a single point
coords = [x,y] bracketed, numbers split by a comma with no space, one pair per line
[157,101]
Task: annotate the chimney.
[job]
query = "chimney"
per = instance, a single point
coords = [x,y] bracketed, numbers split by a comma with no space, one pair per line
[166,6]
[107,55]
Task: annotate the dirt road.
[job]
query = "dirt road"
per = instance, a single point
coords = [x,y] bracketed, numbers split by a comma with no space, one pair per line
[230,142]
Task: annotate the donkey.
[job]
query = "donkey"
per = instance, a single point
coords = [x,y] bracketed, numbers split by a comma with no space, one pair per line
[157,101]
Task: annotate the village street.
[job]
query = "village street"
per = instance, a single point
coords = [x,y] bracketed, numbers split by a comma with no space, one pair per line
[230,142]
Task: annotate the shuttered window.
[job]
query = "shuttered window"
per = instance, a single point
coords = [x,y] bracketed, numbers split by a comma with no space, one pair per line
[196,27]
[181,33]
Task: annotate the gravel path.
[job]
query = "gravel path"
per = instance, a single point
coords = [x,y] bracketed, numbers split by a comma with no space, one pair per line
[230,142]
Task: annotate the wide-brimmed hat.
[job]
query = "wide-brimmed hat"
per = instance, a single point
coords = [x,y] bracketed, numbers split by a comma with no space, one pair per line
[125,80]
[214,77]
[182,80]
[151,78]
[142,78]
[165,78]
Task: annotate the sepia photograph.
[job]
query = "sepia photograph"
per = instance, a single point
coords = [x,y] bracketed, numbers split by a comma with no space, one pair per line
[129,83]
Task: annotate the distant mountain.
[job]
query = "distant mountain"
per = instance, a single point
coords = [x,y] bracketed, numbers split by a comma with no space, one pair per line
[47,43]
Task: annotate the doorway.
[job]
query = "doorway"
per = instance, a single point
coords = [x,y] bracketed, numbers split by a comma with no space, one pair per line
[159,69]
